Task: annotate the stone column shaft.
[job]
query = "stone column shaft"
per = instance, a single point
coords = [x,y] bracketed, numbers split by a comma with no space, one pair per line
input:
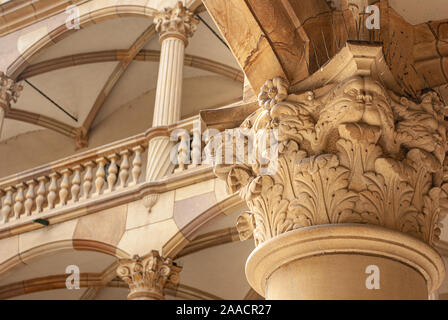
[169,83]
[175,26]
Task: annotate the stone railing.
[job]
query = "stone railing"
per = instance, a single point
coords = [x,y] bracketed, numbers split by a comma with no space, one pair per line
[84,177]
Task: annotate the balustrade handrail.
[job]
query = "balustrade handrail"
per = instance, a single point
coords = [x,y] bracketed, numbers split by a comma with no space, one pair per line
[69,162]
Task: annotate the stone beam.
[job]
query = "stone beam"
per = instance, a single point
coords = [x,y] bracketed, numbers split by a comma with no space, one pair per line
[248,41]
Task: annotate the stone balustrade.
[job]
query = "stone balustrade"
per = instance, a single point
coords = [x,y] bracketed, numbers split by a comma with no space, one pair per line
[71,183]
[86,176]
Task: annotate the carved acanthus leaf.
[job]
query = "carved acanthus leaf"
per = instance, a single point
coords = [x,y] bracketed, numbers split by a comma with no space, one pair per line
[356,153]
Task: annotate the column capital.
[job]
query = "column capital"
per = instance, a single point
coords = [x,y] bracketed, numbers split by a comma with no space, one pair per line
[354,153]
[148,276]
[9,90]
[177,22]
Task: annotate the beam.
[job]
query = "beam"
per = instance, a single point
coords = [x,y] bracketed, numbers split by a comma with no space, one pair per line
[249,43]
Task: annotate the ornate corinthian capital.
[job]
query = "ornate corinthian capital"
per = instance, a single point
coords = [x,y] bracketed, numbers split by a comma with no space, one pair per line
[9,90]
[147,277]
[351,152]
[176,22]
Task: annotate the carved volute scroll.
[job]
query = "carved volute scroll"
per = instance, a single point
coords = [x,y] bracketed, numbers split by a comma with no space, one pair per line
[351,152]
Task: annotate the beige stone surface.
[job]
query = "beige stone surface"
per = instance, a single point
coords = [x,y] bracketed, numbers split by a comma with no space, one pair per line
[150,237]
[107,226]
[162,210]
[53,233]
[343,276]
[221,190]
[185,211]
[194,190]
[10,248]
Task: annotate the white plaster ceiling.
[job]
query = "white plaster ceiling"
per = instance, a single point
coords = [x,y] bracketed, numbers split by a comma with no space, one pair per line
[74,89]
[107,35]
[218,270]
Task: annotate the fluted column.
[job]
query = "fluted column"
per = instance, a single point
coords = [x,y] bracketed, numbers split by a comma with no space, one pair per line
[356,188]
[9,92]
[148,276]
[169,84]
[175,26]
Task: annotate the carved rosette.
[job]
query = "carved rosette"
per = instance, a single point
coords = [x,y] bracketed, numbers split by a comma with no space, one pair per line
[9,91]
[347,153]
[176,22]
[147,277]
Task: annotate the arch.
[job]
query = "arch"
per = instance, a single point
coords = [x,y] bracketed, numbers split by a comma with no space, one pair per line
[189,232]
[120,55]
[57,246]
[90,13]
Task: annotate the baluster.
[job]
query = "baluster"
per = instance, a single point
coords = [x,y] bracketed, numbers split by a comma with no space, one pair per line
[183,151]
[196,145]
[76,183]
[65,187]
[30,194]
[41,193]
[124,168]
[7,204]
[100,174]
[112,172]
[52,195]
[18,206]
[88,178]
[137,164]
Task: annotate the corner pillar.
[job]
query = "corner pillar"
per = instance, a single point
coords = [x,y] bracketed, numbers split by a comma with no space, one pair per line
[347,202]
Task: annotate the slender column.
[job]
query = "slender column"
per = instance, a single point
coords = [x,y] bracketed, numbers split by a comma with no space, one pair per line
[175,26]
[148,276]
[356,188]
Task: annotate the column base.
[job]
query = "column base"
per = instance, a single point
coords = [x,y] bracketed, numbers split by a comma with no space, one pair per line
[145,295]
[330,262]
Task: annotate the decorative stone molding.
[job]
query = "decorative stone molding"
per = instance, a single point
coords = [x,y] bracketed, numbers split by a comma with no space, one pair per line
[176,22]
[9,90]
[150,200]
[352,152]
[272,92]
[148,276]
